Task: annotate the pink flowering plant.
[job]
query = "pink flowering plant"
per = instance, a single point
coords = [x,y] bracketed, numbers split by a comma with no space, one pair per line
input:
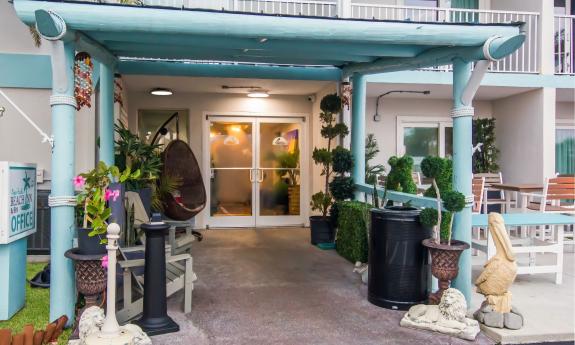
[94,193]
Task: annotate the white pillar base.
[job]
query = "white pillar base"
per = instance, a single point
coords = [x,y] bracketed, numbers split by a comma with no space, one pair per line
[124,337]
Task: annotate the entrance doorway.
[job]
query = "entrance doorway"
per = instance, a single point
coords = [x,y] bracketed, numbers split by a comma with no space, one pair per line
[255,171]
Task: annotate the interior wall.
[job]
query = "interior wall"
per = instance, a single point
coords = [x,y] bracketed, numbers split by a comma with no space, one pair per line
[390,108]
[525,131]
[200,104]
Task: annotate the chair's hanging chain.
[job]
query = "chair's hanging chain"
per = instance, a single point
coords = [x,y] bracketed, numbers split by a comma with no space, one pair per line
[45,137]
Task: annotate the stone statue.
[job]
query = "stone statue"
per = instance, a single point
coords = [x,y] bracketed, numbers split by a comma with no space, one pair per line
[448,317]
[494,282]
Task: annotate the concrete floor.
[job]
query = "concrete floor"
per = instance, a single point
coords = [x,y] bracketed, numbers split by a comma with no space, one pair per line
[548,308]
[272,287]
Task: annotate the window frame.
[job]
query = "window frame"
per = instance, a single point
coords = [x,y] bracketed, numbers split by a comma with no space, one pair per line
[422,122]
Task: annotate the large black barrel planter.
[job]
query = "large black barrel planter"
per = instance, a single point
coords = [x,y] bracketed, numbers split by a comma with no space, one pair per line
[321,230]
[398,262]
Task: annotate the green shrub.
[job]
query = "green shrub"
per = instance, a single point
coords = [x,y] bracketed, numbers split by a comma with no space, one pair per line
[353,224]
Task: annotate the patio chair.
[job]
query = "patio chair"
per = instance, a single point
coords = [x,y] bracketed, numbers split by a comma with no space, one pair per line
[491,178]
[179,276]
[477,187]
[558,196]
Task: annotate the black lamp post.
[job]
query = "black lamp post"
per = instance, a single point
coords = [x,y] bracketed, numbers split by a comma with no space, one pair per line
[155,319]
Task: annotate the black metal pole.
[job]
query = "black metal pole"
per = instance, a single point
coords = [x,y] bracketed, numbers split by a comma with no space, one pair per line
[155,319]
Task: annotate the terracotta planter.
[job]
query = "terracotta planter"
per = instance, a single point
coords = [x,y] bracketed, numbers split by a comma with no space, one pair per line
[444,264]
[91,280]
[293,200]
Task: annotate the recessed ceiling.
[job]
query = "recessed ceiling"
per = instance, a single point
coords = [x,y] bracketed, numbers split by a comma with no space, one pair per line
[442,91]
[144,83]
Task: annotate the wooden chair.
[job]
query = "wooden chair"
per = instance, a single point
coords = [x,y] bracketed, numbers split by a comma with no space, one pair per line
[416,176]
[477,188]
[491,178]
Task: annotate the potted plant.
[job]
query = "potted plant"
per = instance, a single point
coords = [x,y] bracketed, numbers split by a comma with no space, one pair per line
[341,186]
[289,164]
[398,262]
[136,154]
[92,208]
[322,230]
[445,252]
[372,171]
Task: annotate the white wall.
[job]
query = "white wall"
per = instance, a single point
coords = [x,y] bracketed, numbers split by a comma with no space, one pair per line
[19,141]
[525,130]
[391,108]
[565,110]
[198,104]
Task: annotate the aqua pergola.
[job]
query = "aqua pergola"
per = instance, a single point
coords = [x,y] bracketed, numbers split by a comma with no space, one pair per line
[162,41]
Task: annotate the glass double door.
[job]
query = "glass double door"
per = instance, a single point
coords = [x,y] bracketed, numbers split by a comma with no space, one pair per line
[255,171]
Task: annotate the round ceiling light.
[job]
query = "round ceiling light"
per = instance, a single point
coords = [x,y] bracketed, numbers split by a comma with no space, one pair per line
[159,91]
[258,93]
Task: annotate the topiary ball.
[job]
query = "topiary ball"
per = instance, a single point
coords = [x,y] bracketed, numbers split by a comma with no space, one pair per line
[342,188]
[453,201]
[428,217]
[331,103]
[432,167]
[342,160]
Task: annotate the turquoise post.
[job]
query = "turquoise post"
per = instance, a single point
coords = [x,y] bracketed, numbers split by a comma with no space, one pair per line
[358,127]
[62,289]
[106,114]
[462,173]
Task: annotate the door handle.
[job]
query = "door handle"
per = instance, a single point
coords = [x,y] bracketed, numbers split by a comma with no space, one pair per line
[260,176]
[252,175]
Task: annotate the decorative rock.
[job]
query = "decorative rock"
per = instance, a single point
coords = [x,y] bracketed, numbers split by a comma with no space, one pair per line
[512,320]
[448,317]
[493,319]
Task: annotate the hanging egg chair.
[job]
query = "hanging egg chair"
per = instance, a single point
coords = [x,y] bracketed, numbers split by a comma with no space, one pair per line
[179,162]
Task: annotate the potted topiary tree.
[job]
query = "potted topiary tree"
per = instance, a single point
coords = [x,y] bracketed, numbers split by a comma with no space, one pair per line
[342,186]
[445,252]
[398,262]
[288,162]
[322,230]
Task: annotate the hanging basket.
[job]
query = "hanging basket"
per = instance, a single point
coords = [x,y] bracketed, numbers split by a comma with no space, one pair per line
[83,89]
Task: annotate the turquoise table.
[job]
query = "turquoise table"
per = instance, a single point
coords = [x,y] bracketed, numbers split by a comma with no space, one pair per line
[531,218]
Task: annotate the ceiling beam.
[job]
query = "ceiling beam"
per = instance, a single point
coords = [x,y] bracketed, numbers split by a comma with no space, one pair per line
[173,68]
[493,49]
[106,17]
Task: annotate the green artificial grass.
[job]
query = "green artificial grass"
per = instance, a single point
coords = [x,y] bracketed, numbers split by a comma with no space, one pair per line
[36,311]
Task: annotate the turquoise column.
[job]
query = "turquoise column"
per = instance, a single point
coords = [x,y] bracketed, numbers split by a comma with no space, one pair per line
[358,127]
[62,288]
[462,171]
[106,117]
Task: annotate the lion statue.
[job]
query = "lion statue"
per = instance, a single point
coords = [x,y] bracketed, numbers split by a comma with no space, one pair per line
[449,317]
[92,320]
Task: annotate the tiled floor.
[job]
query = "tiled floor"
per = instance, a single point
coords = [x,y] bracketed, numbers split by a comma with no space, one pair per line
[272,287]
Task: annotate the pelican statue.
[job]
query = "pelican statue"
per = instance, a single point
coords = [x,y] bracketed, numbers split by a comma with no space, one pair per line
[499,272]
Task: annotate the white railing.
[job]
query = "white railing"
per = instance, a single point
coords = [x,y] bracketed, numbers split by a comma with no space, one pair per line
[523,60]
[308,8]
[564,44]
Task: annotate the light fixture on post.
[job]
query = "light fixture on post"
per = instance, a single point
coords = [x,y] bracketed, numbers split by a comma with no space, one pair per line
[377,117]
[161,91]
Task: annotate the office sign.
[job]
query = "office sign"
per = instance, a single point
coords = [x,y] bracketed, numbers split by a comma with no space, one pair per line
[17,201]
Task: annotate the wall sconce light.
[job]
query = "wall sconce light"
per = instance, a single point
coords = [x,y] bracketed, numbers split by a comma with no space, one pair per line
[377,117]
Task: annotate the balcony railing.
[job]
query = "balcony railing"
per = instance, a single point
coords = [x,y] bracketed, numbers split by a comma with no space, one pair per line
[564,44]
[525,60]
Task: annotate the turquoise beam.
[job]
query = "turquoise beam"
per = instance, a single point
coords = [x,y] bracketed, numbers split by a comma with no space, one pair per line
[134,21]
[358,127]
[462,171]
[62,288]
[106,124]
[412,199]
[493,48]
[25,71]
[258,71]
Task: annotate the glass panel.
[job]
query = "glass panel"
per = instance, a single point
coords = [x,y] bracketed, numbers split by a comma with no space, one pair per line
[279,188]
[231,145]
[149,123]
[230,192]
[448,142]
[565,151]
[420,142]
[278,196]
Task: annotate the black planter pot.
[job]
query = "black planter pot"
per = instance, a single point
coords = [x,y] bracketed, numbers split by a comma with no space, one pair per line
[146,196]
[322,230]
[398,262]
[89,245]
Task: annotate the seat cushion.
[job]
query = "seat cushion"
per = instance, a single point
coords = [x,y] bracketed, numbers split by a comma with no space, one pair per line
[535,206]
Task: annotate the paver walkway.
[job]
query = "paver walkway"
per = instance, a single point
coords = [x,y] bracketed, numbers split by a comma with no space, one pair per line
[271,286]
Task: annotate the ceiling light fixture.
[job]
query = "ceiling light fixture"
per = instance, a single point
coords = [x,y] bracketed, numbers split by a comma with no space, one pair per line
[258,93]
[160,91]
